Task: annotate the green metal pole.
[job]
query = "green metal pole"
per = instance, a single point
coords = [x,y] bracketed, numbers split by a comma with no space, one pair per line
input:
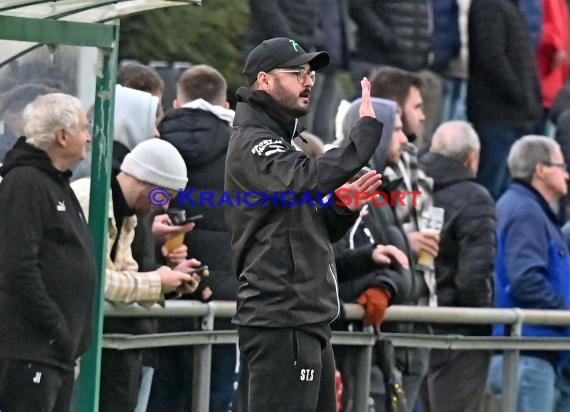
[87,399]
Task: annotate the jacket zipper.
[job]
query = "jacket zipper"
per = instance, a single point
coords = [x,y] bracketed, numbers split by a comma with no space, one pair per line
[331,271]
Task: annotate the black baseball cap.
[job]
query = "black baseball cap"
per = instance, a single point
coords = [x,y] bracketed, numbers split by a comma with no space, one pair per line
[281,52]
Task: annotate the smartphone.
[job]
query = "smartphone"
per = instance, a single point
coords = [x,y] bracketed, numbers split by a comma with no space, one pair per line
[198,270]
[191,219]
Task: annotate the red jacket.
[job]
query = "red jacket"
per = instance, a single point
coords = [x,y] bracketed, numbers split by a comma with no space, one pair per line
[554,37]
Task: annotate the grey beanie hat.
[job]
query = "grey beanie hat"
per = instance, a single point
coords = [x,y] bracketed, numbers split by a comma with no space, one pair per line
[156,162]
[385,111]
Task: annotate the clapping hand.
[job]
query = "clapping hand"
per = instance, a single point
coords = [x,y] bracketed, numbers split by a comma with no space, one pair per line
[383,255]
[354,195]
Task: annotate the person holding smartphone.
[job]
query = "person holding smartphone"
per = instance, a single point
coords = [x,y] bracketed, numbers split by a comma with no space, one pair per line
[150,165]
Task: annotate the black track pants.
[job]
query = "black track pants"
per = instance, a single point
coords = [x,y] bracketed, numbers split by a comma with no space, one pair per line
[27,386]
[290,370]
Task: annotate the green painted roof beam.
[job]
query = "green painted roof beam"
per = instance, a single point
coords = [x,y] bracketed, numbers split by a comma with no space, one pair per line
[57,32]
[20,4]
[87,395]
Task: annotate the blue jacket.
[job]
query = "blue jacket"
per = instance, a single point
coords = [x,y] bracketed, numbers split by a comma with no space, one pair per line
[446,33]
[532,11]
[532,267]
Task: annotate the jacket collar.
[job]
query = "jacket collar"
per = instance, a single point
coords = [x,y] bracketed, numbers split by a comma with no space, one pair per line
[521,186]
[24,154]
[227,115]
[120,205]
[256,107]
[445,172]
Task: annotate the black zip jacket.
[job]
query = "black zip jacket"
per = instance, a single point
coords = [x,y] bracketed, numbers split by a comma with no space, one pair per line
[353,254]
[283,254]
[47,275]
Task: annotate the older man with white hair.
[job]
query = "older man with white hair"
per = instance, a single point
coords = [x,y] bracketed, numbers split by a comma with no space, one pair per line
[464,266]
[47,275]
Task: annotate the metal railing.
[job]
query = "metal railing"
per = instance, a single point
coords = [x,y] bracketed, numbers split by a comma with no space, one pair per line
[362,342]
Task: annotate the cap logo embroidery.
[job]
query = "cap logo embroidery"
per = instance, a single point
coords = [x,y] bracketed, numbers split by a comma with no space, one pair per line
[295,45]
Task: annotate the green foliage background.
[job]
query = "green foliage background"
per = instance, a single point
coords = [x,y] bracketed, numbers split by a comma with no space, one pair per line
[212,34]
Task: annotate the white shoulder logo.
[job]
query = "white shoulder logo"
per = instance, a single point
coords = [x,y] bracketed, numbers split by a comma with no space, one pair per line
[61,206]
[268,147]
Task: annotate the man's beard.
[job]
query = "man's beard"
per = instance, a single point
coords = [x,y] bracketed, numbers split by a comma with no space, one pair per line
[289,102]
[410,134]
[298,112]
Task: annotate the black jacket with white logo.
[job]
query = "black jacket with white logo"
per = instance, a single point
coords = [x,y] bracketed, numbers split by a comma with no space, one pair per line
[283,254]
[47,269]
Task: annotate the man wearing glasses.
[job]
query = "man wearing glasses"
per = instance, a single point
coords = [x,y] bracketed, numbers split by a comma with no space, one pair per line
[288,291]
[531,269]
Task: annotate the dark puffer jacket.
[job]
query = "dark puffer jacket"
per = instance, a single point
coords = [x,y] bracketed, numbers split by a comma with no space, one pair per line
[297,19]
[202,139]
[503,88]
[464,266]
[394,32]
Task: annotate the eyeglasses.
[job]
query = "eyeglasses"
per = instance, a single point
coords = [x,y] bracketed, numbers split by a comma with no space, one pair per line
[301,73]
[562,166]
